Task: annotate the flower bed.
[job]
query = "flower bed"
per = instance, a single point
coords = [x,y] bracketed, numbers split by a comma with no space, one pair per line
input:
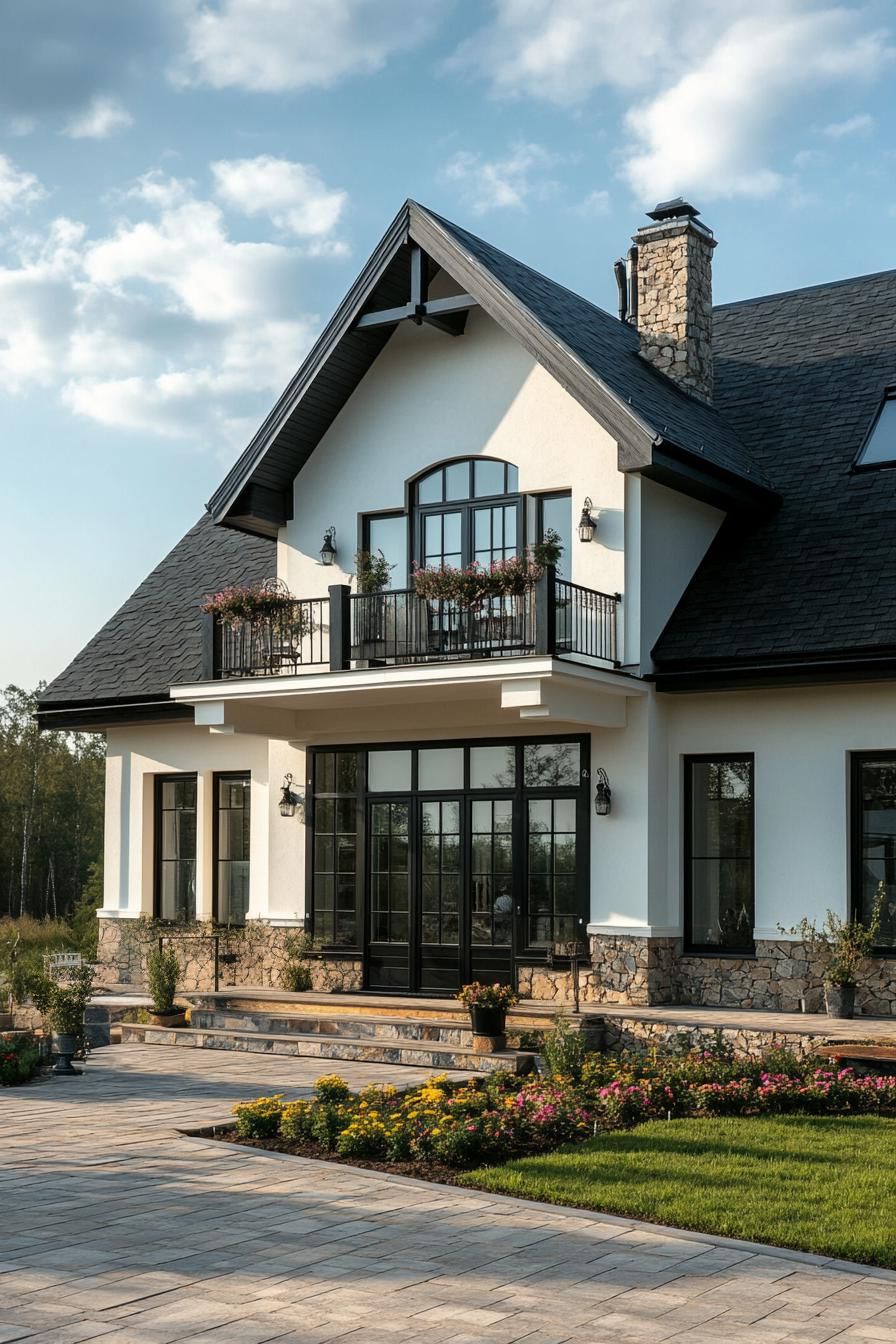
[444,1126]
[19,1058]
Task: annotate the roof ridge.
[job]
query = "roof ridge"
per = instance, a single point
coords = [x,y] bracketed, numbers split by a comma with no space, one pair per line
[805,289]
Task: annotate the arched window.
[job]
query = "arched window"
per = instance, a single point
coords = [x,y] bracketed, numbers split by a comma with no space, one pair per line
[467,511]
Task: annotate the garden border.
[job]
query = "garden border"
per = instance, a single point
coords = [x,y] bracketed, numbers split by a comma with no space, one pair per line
[808,1258]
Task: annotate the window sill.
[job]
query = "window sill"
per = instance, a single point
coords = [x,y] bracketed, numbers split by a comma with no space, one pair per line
[721,954]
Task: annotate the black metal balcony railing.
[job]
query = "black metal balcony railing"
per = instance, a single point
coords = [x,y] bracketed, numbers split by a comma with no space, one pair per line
[399,628]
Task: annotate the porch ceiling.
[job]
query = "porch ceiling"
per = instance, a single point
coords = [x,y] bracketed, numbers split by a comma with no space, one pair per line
[493,695]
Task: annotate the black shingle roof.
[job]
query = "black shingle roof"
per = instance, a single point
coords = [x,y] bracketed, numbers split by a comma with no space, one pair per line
[610,349]
[800,377]
[154,640]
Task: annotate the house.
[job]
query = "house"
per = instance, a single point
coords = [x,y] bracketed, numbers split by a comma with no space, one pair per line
[665,748]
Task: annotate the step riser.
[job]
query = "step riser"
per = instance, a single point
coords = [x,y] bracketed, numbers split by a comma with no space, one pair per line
[518,1019]
[439,1033]
[318,1047]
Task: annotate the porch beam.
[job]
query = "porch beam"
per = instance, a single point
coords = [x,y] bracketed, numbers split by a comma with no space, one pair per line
[538,698]
[386,317]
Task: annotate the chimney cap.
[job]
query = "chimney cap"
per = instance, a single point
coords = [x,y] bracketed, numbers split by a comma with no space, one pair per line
[673,210]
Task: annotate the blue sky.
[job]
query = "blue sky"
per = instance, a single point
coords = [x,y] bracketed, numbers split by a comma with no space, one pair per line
[187,187]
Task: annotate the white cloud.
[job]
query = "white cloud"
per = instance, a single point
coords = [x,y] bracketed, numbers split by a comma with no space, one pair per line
[852,126]
[272,45]
[595,204]
[167,324]
[292,195]
[706,87]
[101,118]
[18,189]
[495,184]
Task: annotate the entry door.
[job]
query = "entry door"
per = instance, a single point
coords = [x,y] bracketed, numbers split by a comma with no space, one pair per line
[389,885]
[441,905]
[493,889]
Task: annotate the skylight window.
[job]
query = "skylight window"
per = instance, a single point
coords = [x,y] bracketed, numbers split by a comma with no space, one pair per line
[879,449]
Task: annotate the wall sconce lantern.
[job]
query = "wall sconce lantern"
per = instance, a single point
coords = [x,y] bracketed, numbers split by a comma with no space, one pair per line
[603,795]
[289,801]
[328,550]
[587,522]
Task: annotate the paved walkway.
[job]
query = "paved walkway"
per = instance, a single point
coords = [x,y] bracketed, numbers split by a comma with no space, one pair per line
[114,1228]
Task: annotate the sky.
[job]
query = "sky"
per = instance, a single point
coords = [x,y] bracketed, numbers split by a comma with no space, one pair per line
[188,188]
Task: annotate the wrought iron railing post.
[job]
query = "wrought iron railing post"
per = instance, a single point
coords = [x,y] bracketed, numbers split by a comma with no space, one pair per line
[546,611]
[340,627]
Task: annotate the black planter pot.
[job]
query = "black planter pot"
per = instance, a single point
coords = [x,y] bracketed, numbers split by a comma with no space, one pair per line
[840,1000]
[487,1021]
[64,1046]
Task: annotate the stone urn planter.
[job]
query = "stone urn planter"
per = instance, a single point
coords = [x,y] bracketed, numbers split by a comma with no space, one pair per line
[840,1000]
[65,1046]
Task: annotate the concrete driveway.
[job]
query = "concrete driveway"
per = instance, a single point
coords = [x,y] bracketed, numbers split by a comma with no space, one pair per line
[113,1227]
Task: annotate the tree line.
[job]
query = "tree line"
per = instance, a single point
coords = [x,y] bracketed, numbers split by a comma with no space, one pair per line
[51,812]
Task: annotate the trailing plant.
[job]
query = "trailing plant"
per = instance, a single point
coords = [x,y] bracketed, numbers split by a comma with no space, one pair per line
[474,586]
[250,602]
[547,551]
[373,571]
[162,971]
[477,995]
[843,944]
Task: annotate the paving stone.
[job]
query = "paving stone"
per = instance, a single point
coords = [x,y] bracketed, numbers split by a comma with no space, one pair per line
[151,1238]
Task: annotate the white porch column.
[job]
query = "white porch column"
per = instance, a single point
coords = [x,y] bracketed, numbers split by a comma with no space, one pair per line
[205,820]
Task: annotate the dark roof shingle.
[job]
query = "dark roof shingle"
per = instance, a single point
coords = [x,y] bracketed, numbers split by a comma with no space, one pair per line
[154,640]
[800,376]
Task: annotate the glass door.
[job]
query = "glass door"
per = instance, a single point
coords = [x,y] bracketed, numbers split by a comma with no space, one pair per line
[492,889]
[389,962]
[440,912]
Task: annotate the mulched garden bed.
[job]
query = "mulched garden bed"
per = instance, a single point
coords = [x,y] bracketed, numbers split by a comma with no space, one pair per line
[420,1170]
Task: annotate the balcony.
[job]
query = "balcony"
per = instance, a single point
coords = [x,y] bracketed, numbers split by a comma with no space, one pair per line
[397,628]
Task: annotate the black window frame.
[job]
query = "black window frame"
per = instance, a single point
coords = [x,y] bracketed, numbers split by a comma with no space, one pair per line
[158,782]
[464,505]
[245,776]
[364,521]
[526,953]
[856,834]
[887,464]
[690,947]
[566,561]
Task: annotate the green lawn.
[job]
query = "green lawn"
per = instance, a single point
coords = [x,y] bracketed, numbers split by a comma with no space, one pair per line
[822,1184]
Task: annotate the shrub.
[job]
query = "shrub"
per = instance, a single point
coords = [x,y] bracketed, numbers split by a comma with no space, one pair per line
[565,1051]
[162,971]
[19,1058]
[259,1119]
[295,1121]
[62,1002]
[330,1087]
[296,977]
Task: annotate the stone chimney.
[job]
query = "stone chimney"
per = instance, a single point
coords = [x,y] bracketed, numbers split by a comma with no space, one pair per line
[671,302]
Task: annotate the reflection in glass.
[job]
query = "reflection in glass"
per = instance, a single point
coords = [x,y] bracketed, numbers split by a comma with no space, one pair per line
[389,873]
[440,768]
[553,882]
[389,771]
[232,875]
[492,767]
[720,852]
[554,765]
[877,803]
[176,820]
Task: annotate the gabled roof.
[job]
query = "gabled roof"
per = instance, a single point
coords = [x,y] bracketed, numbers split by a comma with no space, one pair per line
[800,377]
[660,428]
[154,640]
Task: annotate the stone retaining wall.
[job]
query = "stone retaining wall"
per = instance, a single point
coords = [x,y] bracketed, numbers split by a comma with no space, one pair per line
[625,1033]
[260,951]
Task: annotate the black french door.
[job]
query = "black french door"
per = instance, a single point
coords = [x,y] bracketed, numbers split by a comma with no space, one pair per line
[441,863]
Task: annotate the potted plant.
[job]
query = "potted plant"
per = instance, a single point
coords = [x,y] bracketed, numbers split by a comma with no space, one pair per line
[547,551]
[373,571]
[844,945]
[488,1006]
[162,971]
[62,1007]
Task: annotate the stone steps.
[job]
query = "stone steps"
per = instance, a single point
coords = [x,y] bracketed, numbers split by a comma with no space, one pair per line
[350,1025]
[370,1049]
